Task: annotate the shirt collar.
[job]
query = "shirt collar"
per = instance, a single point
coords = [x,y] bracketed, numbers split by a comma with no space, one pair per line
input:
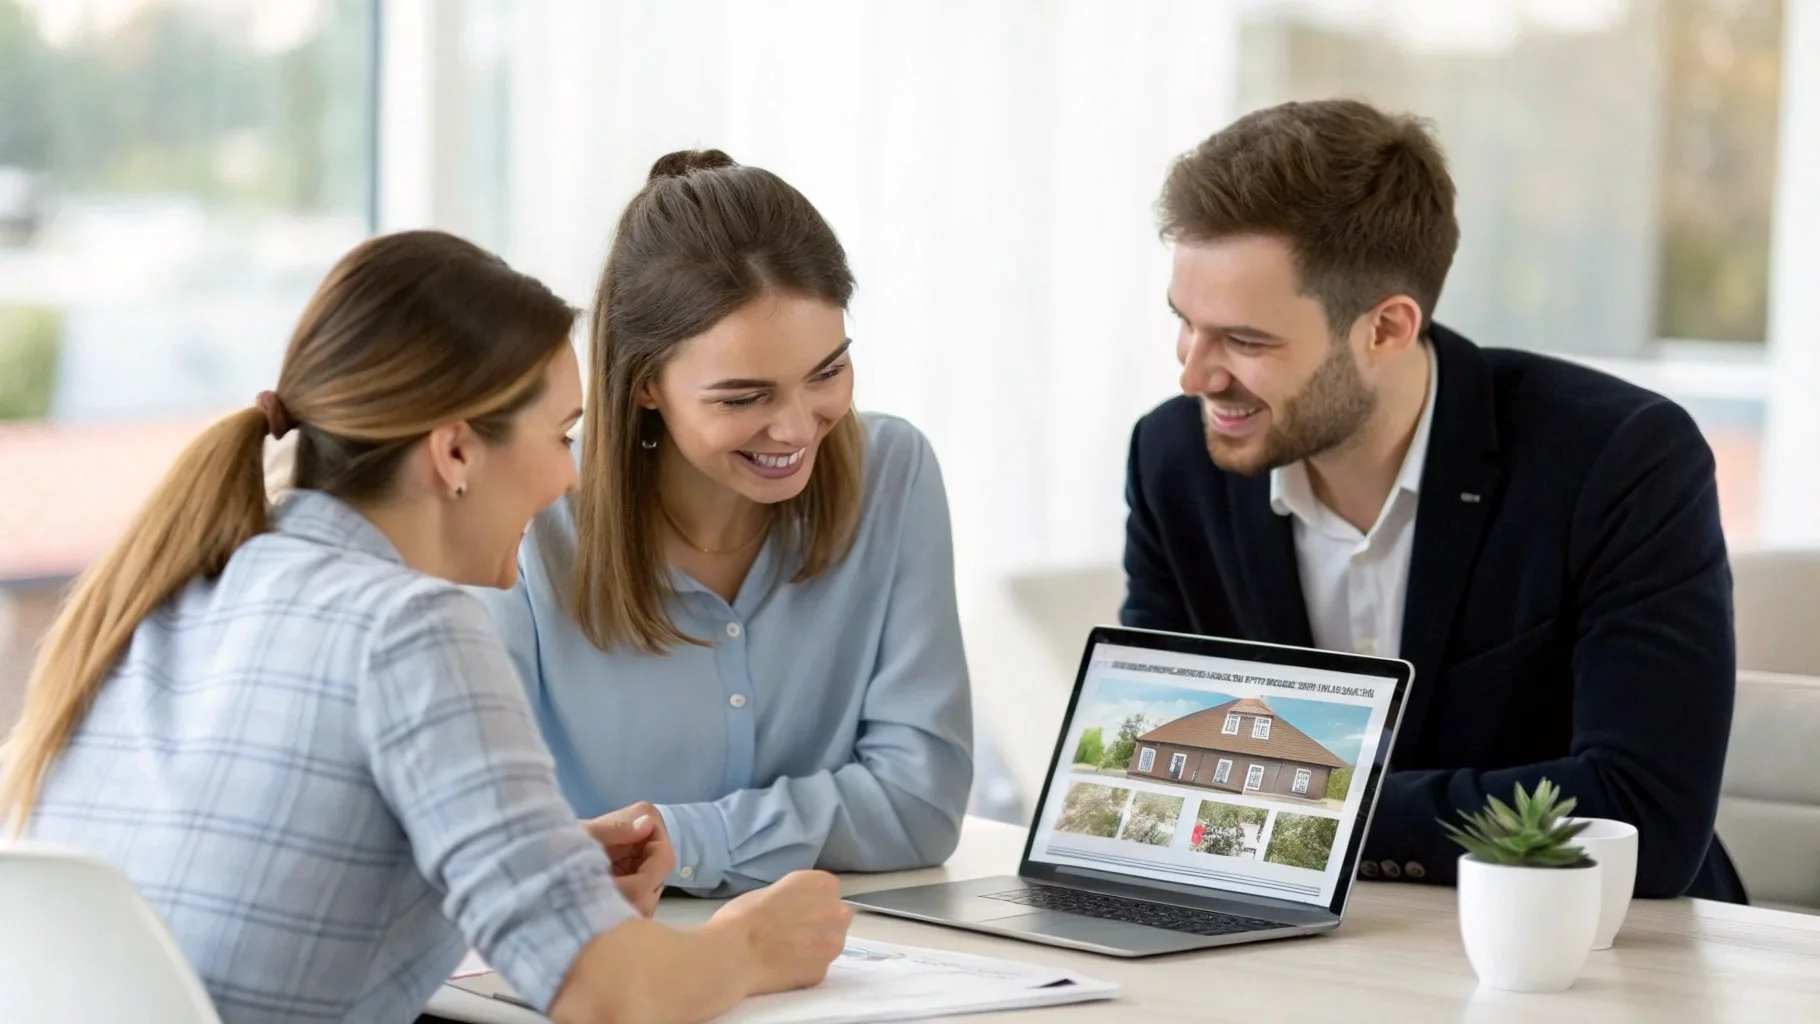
[1292,494]
[325,519]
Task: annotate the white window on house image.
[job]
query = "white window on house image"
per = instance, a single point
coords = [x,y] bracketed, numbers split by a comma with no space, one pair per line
[1260,728]
[1177,762]
[1301,780]
[1222,771]
[1254,777]
[1146,759]
[1231,727]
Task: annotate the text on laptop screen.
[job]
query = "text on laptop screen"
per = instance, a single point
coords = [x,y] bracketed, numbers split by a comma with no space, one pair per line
[1214,772]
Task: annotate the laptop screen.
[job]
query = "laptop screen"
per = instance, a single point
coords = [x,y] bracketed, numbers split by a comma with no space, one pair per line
[1208,771]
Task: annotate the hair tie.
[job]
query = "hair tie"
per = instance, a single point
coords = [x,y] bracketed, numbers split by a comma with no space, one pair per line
[278,420]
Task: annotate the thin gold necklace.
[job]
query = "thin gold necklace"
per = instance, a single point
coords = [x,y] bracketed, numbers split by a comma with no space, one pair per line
[684,534]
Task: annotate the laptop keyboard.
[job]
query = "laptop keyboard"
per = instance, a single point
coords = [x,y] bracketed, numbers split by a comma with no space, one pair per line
[1129,911]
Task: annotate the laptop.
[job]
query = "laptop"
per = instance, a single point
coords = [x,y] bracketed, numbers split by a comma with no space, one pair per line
[1204,792]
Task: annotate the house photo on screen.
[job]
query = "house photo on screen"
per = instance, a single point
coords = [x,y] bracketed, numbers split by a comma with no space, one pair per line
[1247,746]
[1293,752]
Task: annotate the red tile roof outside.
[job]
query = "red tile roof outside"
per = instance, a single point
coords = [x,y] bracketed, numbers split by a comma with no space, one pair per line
[69,491]
[1738,453]
[1205,730]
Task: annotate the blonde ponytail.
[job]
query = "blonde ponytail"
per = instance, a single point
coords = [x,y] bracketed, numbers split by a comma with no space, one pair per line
[407,332]
[210,503]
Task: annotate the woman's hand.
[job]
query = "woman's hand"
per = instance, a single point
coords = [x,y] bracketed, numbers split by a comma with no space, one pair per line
[777,938]
[792,930]
[640,850]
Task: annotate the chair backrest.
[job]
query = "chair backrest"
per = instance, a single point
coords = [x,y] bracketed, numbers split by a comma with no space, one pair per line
[1065,604]
[1769,810]
[78,943]
[1024,635]
[1774,595]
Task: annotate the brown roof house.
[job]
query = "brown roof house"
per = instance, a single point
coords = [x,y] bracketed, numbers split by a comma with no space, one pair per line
[1241,746]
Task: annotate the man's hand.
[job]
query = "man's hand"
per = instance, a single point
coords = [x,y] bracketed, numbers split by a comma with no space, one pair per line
[640,850]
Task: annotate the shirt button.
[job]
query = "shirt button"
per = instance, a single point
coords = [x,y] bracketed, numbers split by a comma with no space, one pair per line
[1368,869]
[733,629]
[1415,870]
[687,872]
[738,700]
[1391,869]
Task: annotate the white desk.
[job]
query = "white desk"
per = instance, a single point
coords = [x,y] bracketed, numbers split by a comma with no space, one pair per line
[1396,957]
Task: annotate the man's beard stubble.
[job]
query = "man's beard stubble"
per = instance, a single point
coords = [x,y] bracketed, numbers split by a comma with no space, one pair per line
[1329,410]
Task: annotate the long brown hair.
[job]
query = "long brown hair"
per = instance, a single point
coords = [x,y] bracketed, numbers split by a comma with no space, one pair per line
[704,237]
[408,332]
[1362,198]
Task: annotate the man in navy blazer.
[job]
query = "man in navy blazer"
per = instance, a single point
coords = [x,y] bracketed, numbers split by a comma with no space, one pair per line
[1541,541]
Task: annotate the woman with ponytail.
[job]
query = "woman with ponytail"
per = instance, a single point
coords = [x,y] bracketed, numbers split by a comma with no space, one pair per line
[295,730]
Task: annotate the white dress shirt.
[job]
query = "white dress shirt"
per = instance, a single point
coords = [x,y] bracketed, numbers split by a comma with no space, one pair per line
[1354,583]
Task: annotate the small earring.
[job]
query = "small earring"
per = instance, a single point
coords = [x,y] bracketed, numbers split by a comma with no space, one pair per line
[461,490]
[650,425]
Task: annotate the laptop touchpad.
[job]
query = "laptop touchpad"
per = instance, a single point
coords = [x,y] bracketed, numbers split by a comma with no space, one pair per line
[1068,926]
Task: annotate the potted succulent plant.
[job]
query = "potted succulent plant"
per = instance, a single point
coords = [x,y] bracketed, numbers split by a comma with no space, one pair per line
[1529,898]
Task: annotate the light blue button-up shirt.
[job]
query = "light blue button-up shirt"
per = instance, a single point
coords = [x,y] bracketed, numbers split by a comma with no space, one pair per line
[828,724]
[321,770]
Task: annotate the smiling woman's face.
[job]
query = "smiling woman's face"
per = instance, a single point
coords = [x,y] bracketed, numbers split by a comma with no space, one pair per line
[748,401]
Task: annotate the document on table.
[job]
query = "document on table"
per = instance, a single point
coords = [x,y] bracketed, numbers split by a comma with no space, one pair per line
[881,981]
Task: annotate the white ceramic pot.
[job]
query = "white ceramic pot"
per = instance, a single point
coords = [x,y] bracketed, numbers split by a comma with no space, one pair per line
[1614,845]
[1527,929]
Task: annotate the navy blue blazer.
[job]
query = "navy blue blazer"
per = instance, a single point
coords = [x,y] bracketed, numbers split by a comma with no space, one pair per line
[1568,613]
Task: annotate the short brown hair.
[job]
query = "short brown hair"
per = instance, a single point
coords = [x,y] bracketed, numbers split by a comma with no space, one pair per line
[408,332]
[1362,198]
[703,238]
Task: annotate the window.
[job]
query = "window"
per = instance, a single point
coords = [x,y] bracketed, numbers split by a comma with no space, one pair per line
[1302,777]
[1222,771]
[1260,729]
[1146,759]
[175,178]
[1231,728]
[1177,762]
[1665,232]
[1657,257]
[1254,777]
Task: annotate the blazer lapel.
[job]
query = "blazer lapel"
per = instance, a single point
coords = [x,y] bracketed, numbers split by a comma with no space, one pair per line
[1459,488]
[1269,575]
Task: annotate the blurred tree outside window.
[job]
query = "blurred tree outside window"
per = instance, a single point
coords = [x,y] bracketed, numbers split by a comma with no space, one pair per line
[175,178]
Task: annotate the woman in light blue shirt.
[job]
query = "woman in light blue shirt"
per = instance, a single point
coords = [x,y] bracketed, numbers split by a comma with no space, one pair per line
[745,616]
[300,739]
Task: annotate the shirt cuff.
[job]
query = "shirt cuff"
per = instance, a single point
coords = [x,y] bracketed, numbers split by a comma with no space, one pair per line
[699,834]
